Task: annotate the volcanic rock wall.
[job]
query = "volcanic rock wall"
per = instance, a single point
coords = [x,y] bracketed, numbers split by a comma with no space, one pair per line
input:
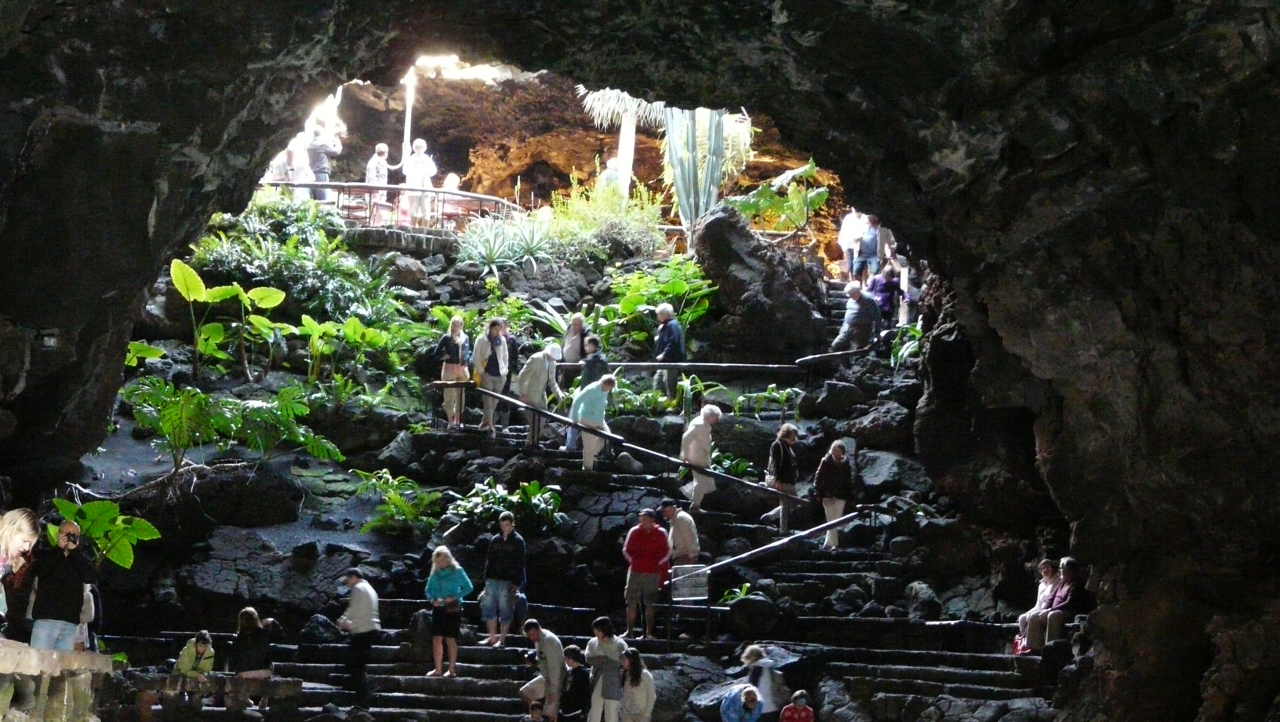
[1089,179]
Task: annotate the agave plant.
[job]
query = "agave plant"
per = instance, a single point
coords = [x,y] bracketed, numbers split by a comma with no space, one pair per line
[530,240]
[551,317]
[486,241]
[696,176]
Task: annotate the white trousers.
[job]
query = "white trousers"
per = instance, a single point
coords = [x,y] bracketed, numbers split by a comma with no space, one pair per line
[592,445]
[834,509]
[604,710]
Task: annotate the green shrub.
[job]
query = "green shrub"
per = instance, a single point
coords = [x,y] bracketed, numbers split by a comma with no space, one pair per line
[734,594]
[587,220]
[405,510]
[296,246]
[785,203]
[186,418]
[907,344]
[680,282]
[771,397]
[535,506]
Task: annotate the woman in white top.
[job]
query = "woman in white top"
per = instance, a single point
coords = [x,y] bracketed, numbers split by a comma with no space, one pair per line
[604,654]
[638,693]
[1044,592]
[760,674]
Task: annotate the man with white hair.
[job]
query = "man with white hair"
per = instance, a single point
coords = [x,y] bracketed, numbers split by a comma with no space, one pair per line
[670,348]
[861,314]
[536,379]
[588,409]
[695,448]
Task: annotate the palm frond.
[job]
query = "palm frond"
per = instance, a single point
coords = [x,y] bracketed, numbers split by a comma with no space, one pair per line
[607,106]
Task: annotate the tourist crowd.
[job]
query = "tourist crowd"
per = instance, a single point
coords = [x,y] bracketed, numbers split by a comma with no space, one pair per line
[882,294]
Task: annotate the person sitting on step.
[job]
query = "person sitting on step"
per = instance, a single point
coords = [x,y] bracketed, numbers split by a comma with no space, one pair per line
[447,585]
[741,705]
[1069,599]
[695,448]
[799,709]
[195,664]
[251,652]
[1044,593]
[588,409]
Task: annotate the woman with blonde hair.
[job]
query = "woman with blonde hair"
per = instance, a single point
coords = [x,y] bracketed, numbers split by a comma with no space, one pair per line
[455,349]
[19,531]
[447,585]
[575,348]
[762,675]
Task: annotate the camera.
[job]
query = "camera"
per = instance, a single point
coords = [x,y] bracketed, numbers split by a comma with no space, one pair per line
[73,538]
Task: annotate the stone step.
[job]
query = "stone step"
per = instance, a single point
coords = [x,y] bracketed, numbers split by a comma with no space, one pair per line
[395,613]
[331,673]
[945,675]
[390,714]
[885,567]
[875,633]
[866,687]
[316,695]
[1027,666]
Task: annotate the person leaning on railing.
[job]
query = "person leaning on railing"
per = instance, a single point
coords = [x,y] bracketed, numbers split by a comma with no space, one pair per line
[588,409]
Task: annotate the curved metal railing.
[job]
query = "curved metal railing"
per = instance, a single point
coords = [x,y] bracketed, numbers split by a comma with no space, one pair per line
[375,205]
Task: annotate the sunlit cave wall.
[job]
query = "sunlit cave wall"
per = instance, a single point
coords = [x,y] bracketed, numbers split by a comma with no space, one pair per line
[1092,180]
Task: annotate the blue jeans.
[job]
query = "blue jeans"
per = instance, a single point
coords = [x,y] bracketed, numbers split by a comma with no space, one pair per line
[573,439]
[857,264]
[53,634]
[499,601]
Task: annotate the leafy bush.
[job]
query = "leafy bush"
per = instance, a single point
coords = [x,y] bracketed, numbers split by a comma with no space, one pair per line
[785,203]
[906,344]
[588,220]
[726,463]
[680,282]
[405,509]
[111,533]
[772,396]
[186,418]
[534,505]
[296,246]
[486,241]
[626,399]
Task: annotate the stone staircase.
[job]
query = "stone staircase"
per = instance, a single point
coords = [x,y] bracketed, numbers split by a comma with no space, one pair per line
[891,661]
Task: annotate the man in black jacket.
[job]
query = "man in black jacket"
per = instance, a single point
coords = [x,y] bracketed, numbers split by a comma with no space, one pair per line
[503,578]
[60,575]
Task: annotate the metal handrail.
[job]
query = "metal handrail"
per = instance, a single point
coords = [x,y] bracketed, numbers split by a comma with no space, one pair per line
[694,366]
[373,187]
[847,518]
[622,442]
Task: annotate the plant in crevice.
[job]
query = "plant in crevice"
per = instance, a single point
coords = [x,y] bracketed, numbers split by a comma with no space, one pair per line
[534,505]
[906,344]
[726,463]
[405,508]
[733,594]
[784,203]
[772,396]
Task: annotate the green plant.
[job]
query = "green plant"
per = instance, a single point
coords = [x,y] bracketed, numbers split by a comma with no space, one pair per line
[405,510]
[535,506]
[588,221]
[690,387]
[726,463]
[551,317]
[785,203]
[208,337]
[111,533]
[503,305]
[139,351]
[186,418]
[734,594]
[782,398]
[530,239]
[696,172]
[320,344]
[625,399]
[680,282]
[486,241]
[906,344]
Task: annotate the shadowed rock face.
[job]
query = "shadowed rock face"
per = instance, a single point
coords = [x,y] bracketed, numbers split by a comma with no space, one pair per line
[1092,181]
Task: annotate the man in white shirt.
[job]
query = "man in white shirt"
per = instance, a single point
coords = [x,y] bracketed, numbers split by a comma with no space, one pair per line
[360,620]
[852,227]
[683,535]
